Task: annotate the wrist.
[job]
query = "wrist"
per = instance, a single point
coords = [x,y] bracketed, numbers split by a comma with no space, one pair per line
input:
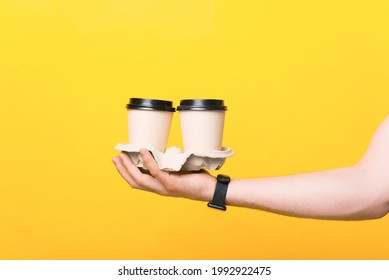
[210,188]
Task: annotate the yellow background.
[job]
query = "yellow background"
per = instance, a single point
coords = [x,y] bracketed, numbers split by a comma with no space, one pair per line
[306,83]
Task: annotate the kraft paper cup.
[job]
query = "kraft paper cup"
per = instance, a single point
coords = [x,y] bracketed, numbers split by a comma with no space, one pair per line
[202,123]
[149,122]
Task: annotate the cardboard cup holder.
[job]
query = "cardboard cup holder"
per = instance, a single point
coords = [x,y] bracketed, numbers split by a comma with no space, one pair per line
[173,159]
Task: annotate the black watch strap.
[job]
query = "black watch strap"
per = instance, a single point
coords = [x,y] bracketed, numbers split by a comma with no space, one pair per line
[219,197]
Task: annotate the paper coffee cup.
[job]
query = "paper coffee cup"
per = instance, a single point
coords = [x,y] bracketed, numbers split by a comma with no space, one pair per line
[202,123]
[149,122]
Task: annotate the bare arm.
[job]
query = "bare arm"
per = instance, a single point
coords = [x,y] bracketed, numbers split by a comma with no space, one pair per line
[345,193]
[357,192]
[351,193]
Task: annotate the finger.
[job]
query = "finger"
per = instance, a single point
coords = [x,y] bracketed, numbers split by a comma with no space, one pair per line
[153,166]
[124,173]
[145,181]
[132,169]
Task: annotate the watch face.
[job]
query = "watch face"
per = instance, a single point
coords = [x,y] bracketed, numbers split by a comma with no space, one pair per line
[223,178]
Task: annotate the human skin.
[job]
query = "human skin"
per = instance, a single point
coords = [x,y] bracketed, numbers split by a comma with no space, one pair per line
[357,192]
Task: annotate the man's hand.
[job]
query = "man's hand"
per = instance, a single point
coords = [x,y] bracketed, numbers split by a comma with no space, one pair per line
[198,186]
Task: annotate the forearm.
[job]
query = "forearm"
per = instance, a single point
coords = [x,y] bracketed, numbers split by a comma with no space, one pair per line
[346,193]
[357,192]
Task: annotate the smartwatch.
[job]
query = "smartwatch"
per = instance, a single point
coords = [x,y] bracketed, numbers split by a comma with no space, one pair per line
[219,197]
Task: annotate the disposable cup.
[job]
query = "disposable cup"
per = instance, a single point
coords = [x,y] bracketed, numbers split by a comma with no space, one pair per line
[202,123]
[149,122]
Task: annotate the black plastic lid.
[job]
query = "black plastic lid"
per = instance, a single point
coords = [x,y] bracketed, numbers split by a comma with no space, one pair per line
[150,104]
[201,105]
